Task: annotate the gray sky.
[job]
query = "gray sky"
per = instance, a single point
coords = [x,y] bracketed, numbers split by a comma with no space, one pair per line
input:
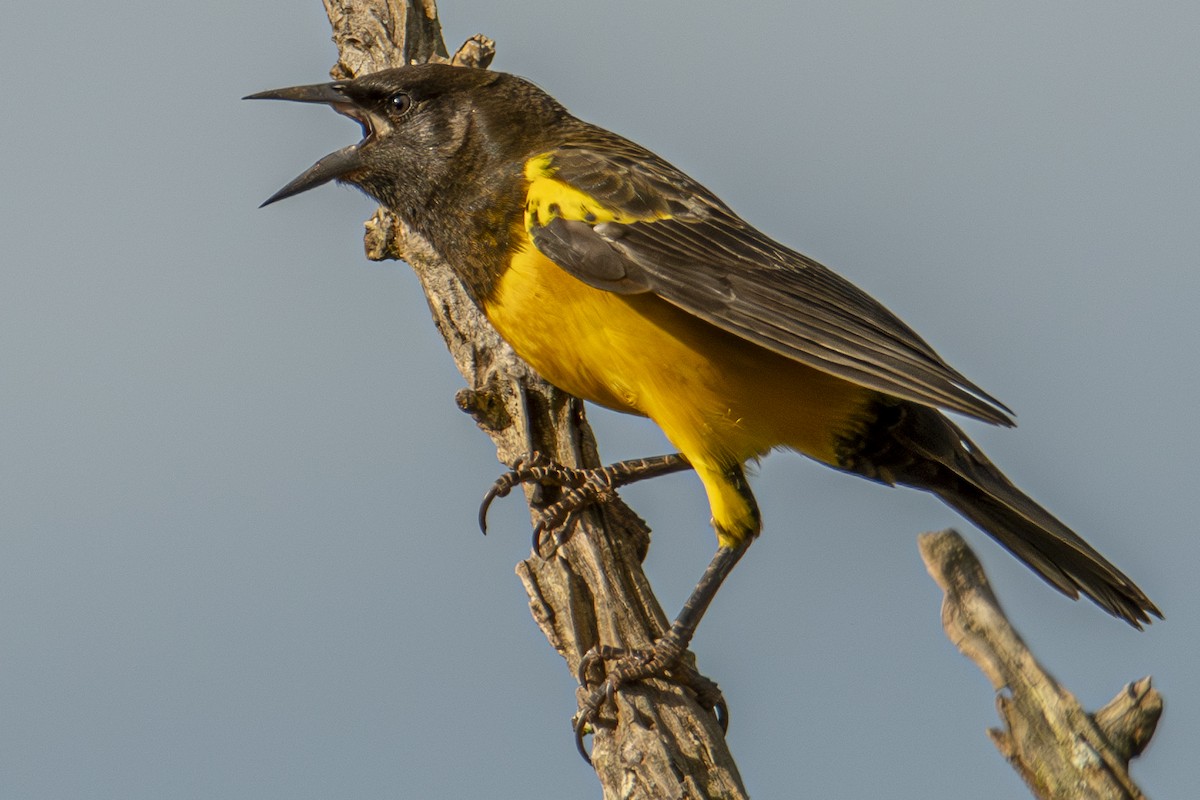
[237,546]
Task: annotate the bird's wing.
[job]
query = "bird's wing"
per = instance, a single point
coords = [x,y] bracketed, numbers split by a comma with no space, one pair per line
[621,219]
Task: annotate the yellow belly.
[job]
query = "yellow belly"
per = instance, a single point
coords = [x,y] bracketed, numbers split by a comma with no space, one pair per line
[719,398]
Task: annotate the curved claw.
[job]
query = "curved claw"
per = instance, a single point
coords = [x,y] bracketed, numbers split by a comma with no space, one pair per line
[497,489]
[559,532]
[542,527]
[721,711]
[581,724]
[518,473]
[585,663]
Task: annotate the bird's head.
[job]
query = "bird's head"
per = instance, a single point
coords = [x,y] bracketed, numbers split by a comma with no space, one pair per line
[425,129]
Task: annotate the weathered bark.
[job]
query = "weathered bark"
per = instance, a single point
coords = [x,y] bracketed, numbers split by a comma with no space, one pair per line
[1061,751]
[592,591]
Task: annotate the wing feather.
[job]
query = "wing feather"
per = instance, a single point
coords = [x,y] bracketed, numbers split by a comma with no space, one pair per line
[646,226]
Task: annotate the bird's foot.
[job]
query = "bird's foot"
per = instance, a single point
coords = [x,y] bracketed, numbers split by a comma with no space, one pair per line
[664,660]
[580,488]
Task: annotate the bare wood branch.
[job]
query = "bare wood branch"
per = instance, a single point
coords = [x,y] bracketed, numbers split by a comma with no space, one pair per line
[1061,751]
[593,589]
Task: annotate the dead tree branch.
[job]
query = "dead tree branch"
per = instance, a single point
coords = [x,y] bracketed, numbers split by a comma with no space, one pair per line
[592,591]
[1060,750]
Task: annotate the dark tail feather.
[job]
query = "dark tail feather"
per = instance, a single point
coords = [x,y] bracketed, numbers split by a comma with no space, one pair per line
[1051,549]
[927,451]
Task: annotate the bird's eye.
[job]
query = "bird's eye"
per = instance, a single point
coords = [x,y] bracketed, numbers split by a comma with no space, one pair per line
[401,102]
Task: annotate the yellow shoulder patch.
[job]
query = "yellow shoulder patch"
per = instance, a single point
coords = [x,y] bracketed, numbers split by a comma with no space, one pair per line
[549,198]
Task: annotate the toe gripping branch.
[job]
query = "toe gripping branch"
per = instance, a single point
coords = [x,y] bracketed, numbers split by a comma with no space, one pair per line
[581,487]
[665,659]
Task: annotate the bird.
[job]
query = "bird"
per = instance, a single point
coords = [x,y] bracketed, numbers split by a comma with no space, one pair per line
[625,282]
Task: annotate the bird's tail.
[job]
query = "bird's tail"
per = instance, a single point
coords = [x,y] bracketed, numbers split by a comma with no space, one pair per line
[927,451]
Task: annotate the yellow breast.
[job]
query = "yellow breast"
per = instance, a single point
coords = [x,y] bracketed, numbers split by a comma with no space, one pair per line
[717,397]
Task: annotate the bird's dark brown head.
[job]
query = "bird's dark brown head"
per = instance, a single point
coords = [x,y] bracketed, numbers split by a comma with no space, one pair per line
[429,131]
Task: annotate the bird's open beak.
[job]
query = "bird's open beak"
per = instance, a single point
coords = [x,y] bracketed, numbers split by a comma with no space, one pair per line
[335,165]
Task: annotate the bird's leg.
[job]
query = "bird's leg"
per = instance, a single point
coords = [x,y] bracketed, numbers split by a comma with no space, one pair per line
[581,487]
[665,658]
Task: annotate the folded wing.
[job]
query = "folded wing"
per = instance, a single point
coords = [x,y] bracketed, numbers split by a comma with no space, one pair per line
[621,219]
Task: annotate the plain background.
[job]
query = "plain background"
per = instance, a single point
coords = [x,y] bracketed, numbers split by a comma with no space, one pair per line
[238,556]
